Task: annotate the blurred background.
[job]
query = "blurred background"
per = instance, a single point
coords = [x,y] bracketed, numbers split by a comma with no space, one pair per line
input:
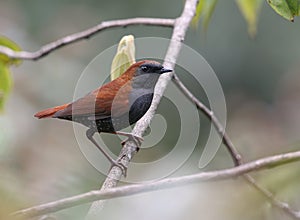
[40,161]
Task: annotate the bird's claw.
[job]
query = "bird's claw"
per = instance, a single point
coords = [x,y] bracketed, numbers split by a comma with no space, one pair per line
[136,139]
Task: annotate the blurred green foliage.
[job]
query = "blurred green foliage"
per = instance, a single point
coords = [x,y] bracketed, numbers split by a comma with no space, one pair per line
[204,11]
[4,41]
[5,74]
[250,10]
[260,78]
[5,83]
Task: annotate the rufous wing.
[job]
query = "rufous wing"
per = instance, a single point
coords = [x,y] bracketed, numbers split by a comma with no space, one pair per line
[110,99]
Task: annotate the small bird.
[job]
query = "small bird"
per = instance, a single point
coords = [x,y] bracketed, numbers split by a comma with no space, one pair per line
[115,105]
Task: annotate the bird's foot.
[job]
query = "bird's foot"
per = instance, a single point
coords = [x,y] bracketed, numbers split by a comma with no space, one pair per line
[89,134]
[131,137]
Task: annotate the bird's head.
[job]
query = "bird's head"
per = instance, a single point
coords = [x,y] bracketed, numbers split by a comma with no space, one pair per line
[147,73]
[151,67]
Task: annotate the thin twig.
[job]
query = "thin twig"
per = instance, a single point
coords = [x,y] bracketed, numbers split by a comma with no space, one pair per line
[46,49]
[270,196]
[260,164]
[235,155]
[180,28]
[178,35]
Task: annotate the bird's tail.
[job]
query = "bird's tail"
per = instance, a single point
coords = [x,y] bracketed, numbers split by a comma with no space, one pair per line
[48,113]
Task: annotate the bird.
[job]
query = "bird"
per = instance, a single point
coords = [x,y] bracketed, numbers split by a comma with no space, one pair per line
[113,106]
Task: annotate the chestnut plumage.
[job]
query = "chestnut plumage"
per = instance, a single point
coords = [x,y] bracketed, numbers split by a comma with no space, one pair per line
[115,105]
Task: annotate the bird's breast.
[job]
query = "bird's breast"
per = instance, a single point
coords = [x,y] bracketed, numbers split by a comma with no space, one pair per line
[139,105]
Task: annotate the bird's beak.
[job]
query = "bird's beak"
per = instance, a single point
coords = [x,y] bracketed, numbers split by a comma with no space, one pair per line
[165,70]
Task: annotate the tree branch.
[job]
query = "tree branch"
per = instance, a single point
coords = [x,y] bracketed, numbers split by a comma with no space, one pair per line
[235,155]
[46,49]
[112,179]
[260,164]
[180,27]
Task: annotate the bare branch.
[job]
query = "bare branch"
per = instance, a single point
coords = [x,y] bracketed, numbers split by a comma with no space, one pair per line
[180,28]
[260,164]
[84,35]
[235,155]
[274,201]
[114,176]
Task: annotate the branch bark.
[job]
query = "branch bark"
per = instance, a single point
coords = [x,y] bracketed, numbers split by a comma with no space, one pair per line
[235,155]
[48,48]
[260,164]
[180,28]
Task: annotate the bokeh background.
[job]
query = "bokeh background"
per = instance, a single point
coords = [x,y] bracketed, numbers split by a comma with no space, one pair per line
[40,161]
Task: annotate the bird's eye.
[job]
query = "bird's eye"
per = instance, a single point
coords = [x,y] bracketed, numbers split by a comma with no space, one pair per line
[145,68]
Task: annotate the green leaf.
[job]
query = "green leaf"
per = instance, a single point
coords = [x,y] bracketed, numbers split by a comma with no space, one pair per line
[208,11]
[5,75]
[124,57]
[250,10]
[4,41]
[204,11]
[286,8]
[198,14]
[5,84]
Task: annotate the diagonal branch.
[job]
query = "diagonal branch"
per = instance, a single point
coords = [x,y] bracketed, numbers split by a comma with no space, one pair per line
[180,28]
[235,155]
[46,49]
[244,169]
